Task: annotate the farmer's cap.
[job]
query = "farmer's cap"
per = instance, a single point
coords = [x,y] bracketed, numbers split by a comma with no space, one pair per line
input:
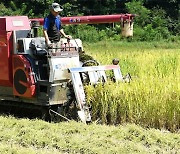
[56,7]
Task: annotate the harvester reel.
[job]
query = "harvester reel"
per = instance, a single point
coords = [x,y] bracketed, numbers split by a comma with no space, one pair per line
[90,63]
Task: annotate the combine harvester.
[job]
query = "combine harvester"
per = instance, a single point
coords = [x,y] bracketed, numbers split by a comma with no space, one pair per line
[33,77]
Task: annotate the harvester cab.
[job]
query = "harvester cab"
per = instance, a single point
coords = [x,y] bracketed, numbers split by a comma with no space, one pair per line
[50,79]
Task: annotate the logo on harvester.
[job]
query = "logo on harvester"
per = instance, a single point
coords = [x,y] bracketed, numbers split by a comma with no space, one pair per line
[75,20]
[61,66]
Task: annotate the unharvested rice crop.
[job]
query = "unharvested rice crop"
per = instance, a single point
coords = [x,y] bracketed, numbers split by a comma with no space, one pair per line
[151,99]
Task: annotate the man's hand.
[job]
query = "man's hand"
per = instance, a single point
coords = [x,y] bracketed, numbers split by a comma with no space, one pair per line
[68,36]
[63,34]
[49,44]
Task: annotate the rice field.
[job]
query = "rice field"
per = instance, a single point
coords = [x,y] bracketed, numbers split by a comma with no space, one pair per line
[24,136]
[152,98]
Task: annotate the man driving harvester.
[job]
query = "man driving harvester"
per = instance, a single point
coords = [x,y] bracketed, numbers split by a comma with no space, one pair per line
[52,30]
[52,27]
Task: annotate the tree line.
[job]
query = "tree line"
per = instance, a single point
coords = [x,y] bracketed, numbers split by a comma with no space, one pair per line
[157,19]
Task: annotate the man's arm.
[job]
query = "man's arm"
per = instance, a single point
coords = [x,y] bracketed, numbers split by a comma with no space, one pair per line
[45,28]
[46,37]
[62,32]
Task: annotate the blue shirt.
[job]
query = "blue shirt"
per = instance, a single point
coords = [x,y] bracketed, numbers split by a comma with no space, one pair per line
[50,18]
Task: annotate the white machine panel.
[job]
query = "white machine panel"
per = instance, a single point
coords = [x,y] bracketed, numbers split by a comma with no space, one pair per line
[59,67]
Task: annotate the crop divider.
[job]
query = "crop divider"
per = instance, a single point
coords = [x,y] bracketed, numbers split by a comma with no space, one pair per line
[95,74]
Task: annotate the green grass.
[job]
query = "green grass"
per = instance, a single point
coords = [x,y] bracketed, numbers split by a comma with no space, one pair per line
[152,99]
[36,136]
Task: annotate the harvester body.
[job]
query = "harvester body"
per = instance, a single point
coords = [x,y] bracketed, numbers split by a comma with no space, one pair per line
[30,73]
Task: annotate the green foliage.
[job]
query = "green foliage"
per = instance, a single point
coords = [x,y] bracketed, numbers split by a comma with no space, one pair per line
[67,9]
[154,21]
[177,28]
[136,7]
[152,24]
[5,11]
[87,33]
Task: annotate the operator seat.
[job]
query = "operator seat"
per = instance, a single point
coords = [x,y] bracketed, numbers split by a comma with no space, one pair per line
[38,46]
